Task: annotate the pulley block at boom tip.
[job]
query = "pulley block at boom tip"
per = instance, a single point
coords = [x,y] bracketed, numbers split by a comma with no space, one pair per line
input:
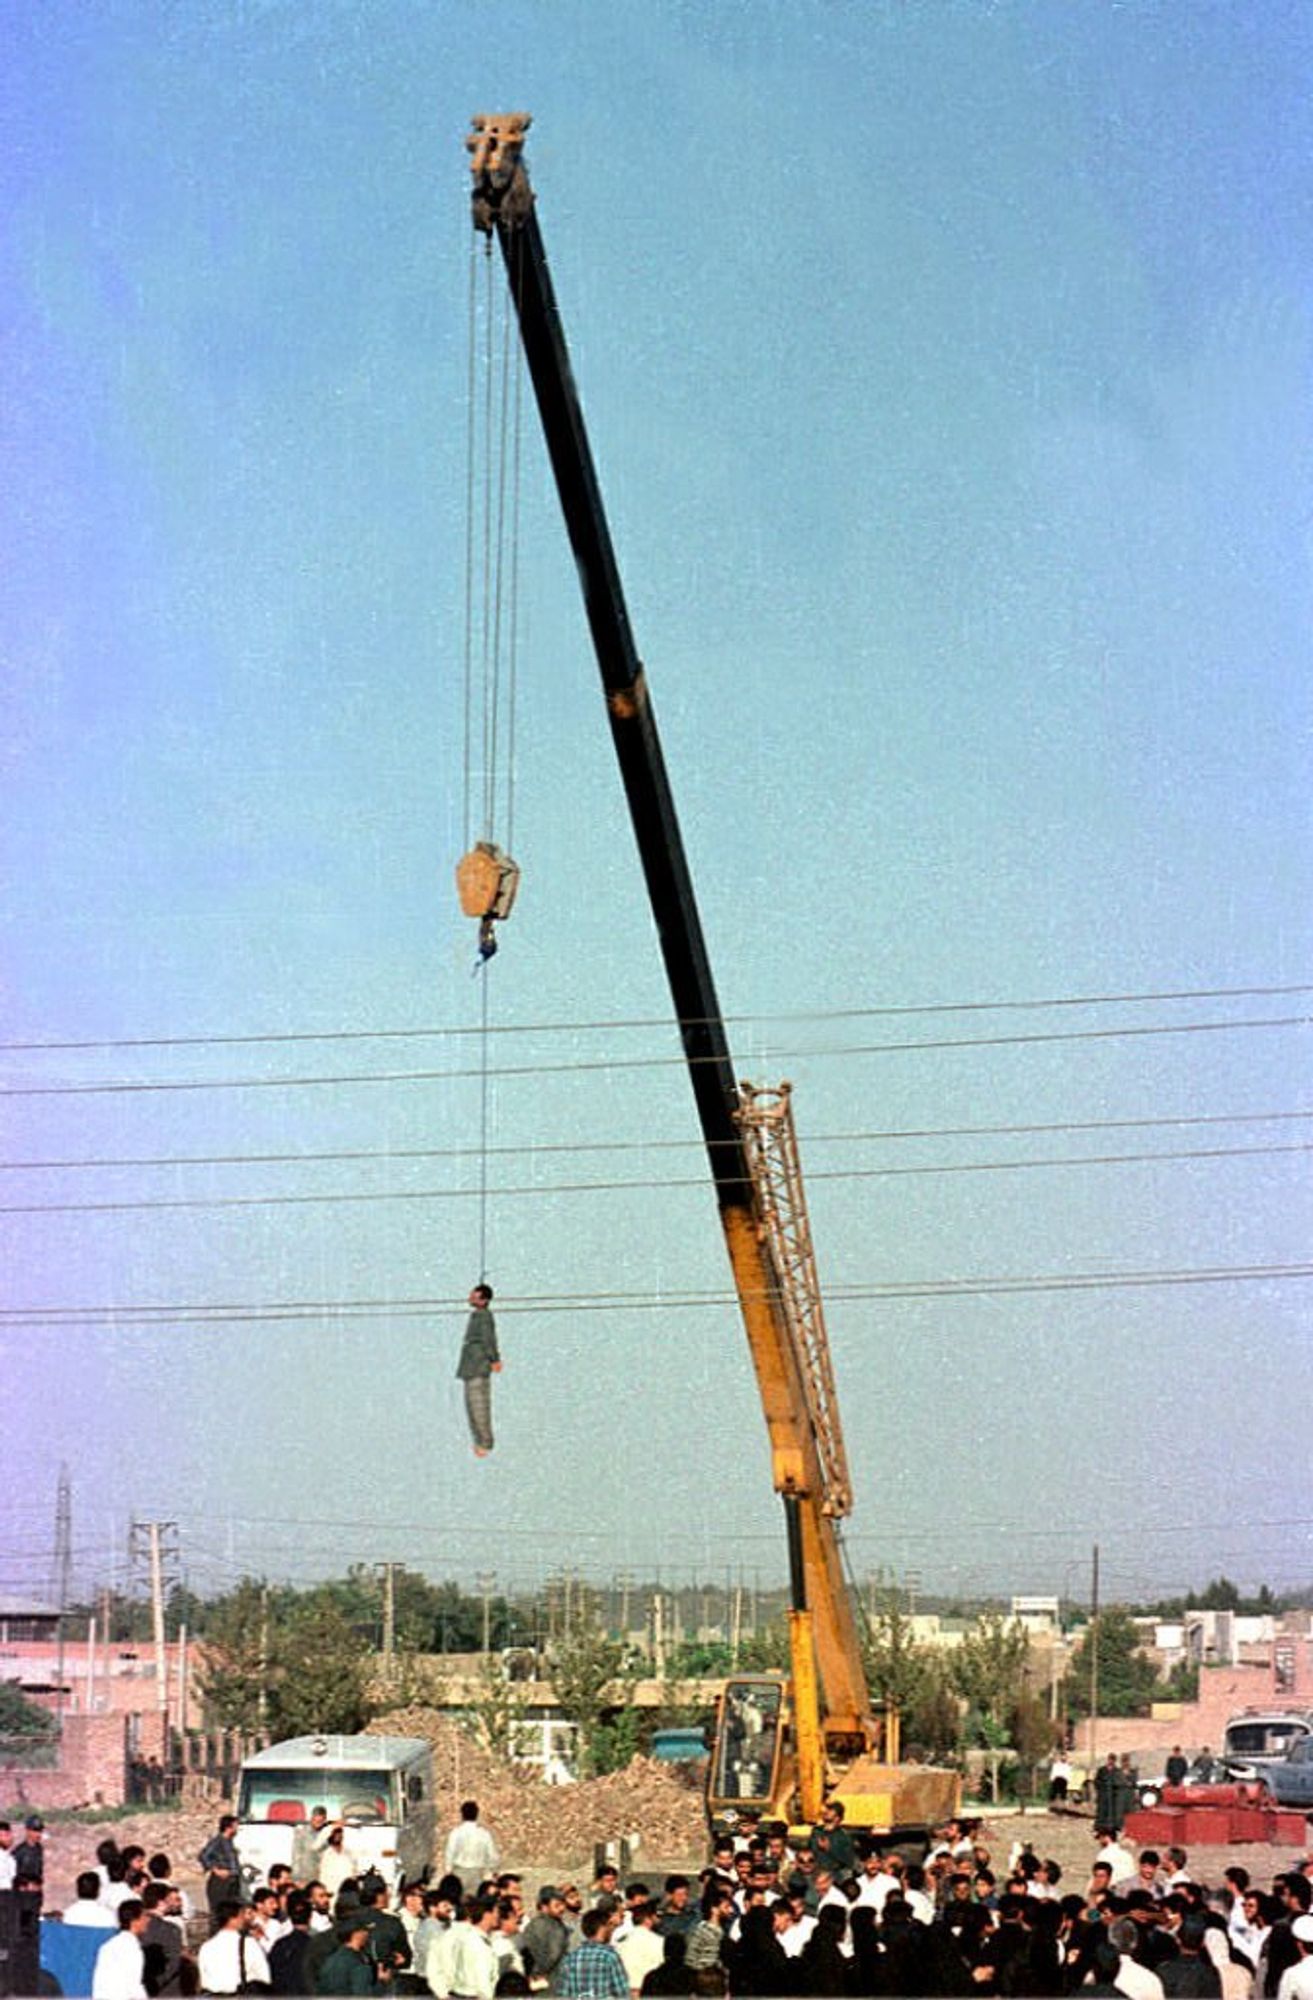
[501,188]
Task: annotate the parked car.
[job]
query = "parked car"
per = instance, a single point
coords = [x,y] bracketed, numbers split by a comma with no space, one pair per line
[1203,1771]
[1290,1780]
[1257,1741]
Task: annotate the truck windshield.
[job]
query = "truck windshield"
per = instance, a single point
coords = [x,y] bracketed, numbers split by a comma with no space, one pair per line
[745,1745]
[1262,1738]
[288,1796]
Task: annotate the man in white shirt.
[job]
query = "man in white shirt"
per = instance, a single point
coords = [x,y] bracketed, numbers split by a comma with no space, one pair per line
[230,1959]
[641,1949]
[471,1851]
[1297,1980]
[462,1965]
[874,1883]
[7,1870]
[1133,1979]
[120,1969]
[88,1911]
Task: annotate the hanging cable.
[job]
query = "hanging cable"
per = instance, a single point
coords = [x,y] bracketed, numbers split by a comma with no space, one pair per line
[486,876]
[470,456]
[512,662]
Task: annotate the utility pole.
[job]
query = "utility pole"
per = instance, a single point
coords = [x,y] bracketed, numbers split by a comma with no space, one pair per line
[485,1580]
[626,1585]
[147,1544]
[63,1565]
[263,1700]
[387,1571]
[1094,1664]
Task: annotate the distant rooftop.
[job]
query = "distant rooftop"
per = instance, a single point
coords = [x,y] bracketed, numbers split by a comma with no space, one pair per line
[26,1607]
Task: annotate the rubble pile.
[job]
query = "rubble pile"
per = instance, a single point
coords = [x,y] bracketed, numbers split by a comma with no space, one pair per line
[648,1804]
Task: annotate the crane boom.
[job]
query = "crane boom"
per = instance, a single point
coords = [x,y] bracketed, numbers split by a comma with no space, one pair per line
[748,1134]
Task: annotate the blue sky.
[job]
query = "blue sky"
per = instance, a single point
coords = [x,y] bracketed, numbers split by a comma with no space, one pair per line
[947,371]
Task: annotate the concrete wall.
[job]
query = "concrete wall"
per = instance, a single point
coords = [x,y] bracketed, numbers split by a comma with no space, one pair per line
[92,1767]
[1223,1692]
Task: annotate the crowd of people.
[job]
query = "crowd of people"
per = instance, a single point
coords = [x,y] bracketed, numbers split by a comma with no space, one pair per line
[832,1916]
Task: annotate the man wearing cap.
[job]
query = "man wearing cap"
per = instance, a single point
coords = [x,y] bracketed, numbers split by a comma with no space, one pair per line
[545,1939]
[29,1857]
[350,1969]
[1297,1979]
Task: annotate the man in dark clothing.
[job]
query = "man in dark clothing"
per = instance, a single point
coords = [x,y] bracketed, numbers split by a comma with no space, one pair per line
[29,1858]
[545,1939]
[223,1867]
[388,1944]
[1191,1975]
[1176,1766]
[287,1957]
[349,1969]
[963,1918]
[479,1362]
[1107,1798]
[161,1942]
[832,1844]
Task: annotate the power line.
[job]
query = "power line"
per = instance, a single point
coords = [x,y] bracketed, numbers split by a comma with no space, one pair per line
[611,1064]
[531,1149]
[483,1194]
[276,1312]
[892,1012]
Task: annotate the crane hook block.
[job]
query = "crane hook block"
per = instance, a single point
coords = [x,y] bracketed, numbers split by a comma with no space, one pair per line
[486,881]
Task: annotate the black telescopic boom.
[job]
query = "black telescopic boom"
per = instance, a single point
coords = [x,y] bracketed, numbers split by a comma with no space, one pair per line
[510,215]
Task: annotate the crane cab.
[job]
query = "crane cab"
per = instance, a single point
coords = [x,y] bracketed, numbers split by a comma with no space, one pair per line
[747,1757]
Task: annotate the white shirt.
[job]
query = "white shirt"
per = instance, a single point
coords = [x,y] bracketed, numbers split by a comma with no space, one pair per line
[120,1969]
[463,1961]
[874,1890]
[7,1869]
[1296,1981]
[1118,1860]
[90,1915]
[795,1937]
[641,1952]
[470,1850]
[220,1960]
[1137,1982]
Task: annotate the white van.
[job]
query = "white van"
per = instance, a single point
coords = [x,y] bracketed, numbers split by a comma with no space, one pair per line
[380,1787]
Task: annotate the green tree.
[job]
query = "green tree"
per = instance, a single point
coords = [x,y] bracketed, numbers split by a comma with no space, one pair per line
[499,1702]
[896,1666]
[24,1721]
[1128,1678]
[321,1671]
[234,1665]
[592,1681]
[989,1668]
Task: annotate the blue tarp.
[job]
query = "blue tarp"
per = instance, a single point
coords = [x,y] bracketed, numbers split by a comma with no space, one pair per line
[68,1953]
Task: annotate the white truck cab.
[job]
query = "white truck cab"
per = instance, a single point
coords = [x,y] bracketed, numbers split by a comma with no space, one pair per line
[379,1787]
